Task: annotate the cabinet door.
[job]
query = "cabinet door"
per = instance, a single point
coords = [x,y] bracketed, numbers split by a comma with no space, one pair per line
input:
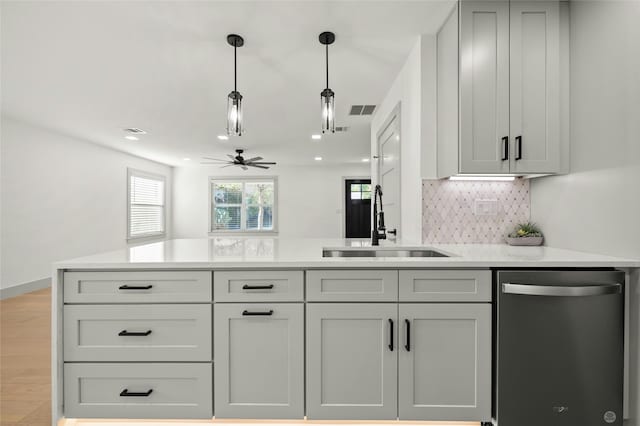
[259,361]
[352,361]
[535,86]
[484,86]
[445,362]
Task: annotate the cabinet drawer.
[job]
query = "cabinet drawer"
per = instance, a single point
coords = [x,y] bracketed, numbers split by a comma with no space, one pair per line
[258,286]
[445,286]
[352,286]
[137,287]
[163,390]
[137,332]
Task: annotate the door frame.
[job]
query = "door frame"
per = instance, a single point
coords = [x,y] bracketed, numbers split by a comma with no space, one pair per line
[343,205]
[394,114]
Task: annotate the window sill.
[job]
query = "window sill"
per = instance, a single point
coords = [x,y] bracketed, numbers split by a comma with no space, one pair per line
[146,238]
[242,233]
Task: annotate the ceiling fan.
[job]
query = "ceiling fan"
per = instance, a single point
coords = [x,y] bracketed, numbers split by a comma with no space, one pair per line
[240,161]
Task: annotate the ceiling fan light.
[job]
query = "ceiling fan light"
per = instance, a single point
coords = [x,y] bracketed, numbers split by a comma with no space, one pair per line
[327,100]
[234,114]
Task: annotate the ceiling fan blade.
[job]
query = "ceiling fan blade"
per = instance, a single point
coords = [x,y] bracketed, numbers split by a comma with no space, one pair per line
[232,157]
[258,166]
[264,162]
[251,160]
[214,159]
[244,167]
[216,163]
[228,165]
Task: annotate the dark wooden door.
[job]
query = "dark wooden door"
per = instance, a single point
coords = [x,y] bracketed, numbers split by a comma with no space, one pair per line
[358,208]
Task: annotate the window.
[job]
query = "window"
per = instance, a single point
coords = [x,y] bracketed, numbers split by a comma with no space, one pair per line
[146,213]
[360,191]
[243,205]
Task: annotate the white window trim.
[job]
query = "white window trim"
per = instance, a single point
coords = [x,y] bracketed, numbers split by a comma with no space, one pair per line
[244,179]
[149,235]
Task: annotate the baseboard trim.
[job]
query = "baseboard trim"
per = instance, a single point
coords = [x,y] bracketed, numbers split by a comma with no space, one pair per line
[19,289]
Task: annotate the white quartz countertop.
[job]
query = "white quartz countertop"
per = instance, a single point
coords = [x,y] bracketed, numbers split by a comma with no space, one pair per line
[275,252]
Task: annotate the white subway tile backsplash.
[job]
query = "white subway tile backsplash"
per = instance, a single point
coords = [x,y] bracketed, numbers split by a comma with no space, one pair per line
[472,211]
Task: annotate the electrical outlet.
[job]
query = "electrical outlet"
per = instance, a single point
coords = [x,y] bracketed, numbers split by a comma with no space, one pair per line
[485,207]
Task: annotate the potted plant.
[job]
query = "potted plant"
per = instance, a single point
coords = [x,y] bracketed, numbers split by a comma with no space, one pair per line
[525,234]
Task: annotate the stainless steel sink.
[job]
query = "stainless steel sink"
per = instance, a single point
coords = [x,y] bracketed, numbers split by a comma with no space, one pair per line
[383,253]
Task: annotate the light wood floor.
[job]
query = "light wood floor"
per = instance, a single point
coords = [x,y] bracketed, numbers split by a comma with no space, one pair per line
[25,359]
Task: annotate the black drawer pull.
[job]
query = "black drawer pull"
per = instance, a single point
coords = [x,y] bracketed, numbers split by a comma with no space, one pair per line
[257,287]
[134,333]
[250,313]
[407,345]
[390,334]
[519,147]
[136,287]
[505,148]
[125,392]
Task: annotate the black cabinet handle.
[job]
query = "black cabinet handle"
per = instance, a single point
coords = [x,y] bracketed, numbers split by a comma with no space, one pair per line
[250,313]
[407,345]
[134,333]
[136,287]
[390,334]
[519,147]
[505,148]
[257,287]
[125,392]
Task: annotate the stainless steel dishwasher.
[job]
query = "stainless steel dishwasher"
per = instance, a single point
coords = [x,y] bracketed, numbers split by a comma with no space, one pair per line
[559,348]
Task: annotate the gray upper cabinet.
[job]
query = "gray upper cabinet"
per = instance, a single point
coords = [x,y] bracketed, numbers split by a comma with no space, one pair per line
[351,368]
[507,112]
[535,86]
[445,362]
[259,361]
[484,86]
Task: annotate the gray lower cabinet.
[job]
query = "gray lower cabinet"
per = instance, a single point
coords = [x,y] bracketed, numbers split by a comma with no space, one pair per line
[259,360]
[352,361]
[445,362]
[147,332]
[141,390]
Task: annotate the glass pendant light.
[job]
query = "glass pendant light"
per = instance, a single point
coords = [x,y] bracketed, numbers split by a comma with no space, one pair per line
[327,97]
[234,100]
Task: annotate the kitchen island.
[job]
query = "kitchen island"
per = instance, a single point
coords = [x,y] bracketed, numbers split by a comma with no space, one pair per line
[268,328]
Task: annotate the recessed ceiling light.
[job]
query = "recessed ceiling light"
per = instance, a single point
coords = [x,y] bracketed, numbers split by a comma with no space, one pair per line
[186,159]
[317,158]
[316,137]
[365,160]
[223,137]
[131,138]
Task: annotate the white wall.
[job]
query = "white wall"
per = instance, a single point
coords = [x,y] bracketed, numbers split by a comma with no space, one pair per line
[310,198]
[61,198]
[597,207]
[415,90]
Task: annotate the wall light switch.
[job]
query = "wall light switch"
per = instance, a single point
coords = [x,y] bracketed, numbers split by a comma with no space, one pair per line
[485,207]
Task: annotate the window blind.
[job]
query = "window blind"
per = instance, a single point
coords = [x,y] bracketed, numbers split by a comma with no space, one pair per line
[146,206]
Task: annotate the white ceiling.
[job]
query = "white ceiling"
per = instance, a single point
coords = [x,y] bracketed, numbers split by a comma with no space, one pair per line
[89,69]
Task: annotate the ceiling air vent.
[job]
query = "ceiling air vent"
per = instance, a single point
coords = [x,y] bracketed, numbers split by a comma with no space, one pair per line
[134,131]
[362,109]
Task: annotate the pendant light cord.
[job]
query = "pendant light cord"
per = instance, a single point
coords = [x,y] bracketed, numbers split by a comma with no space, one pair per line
[235,67]
[327,62]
